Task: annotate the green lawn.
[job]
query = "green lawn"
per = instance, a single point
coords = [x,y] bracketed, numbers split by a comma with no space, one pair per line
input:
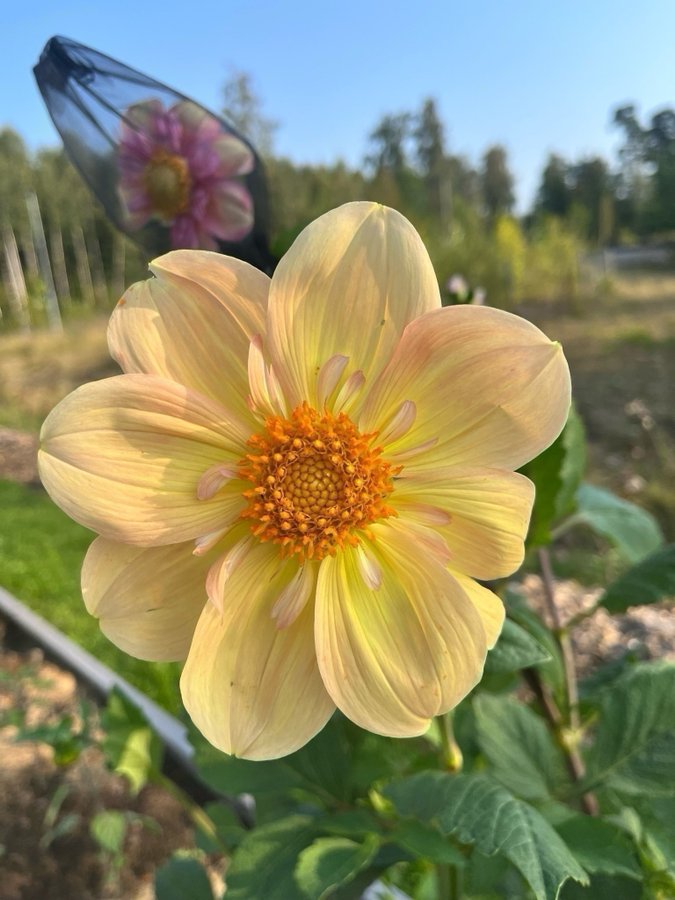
[41,551]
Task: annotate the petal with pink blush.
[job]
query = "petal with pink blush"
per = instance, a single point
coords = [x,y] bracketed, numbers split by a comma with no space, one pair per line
[147,601]
[253,689]
[193,324]
[348,286]
[487,514]
[124,457]
[489,389]
[395,654]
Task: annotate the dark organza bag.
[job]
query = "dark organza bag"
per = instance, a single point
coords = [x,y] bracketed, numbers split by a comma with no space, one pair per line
[169,173]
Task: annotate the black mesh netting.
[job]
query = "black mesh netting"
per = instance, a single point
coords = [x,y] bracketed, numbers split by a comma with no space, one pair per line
[168,172]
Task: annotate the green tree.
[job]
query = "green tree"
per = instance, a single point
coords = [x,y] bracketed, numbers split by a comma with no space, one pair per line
[496,182]
[242,106]
[554,194]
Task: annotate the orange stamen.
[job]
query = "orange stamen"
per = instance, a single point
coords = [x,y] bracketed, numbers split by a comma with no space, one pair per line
[315,481]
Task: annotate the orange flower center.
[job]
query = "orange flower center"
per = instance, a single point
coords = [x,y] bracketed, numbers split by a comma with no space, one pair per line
[316,481]
[167,181]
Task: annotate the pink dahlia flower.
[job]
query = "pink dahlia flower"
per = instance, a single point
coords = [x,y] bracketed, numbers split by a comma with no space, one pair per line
[180,167]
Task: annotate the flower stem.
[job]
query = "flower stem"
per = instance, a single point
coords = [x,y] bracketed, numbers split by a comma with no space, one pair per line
[449,882]
[563,638]
[566,734]
[451,754]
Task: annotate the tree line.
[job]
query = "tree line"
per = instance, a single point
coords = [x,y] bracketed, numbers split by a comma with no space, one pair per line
[463,209]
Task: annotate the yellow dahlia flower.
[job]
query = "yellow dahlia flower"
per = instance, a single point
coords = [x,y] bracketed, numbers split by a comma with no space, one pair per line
[297,480]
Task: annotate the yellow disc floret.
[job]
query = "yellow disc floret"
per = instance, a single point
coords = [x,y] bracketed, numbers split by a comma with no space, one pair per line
[316,481]
[167,181]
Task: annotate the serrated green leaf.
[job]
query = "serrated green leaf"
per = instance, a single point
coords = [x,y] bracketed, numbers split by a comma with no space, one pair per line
[130,746]
[650,581]
[478,811]
[632,530]
[515,649]
[263,865]
[332,861]
[426,842]
[108,829]
[180,878]
[634,747]
[556,473]
[600,847]
[520,748]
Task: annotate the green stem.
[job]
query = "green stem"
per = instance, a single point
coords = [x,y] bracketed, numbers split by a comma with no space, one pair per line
[451,755]
[563,638]
[449,879]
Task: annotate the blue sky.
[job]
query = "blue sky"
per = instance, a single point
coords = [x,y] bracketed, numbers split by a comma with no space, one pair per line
[534,75]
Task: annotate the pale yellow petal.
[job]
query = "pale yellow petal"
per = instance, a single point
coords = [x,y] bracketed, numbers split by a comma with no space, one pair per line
[489,389]
[348,286]
[393,656]
[254,689]
[125,457]
[193,323]
[489,605]
[487,513]
[147,601]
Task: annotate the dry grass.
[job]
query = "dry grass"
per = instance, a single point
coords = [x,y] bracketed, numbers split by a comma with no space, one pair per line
[39,369]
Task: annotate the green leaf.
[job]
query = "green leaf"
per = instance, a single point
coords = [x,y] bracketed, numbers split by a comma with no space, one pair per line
[552,671]
[108,829]
[332,861]
[600,847]
[426,842]
[349,823]
[478,811]
[321,768]
[130,746]
[515,649]
[180,878]
[604,887]
[228,828]
[264,863]
[556,473]
[519,747]
[632,530]
[650,581]
[634,747]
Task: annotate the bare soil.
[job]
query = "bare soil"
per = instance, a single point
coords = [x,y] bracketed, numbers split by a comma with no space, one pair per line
[46,849]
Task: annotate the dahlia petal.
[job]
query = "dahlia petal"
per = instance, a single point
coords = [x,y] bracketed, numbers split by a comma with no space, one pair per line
[489,606]
[244,676]
[294,597]
[235,157]
[489,388]
[193,324]
[349,392]
[124,457]
[488,513]
[214,478]
[349,285]
[147,601]
[329,376]
[266,394]
[394,657]
[230,214]
[223,567]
